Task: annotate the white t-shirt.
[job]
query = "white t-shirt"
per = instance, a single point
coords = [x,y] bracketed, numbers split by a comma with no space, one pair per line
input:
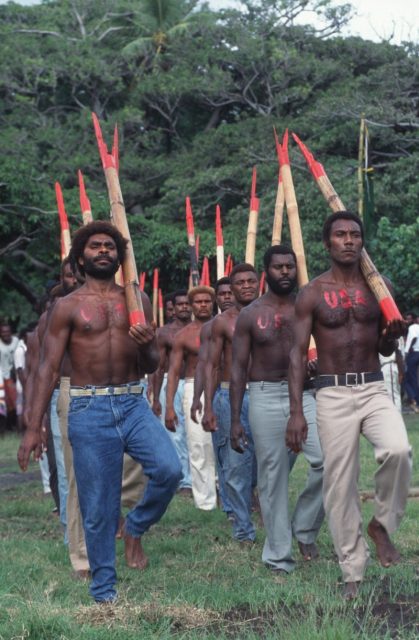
[412,333]
[6,356]
[19,361]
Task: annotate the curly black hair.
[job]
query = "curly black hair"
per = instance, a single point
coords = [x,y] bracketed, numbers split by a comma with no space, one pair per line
[81,237]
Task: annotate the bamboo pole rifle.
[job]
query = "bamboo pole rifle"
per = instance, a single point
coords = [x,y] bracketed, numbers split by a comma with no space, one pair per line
[86,209]
[294,221]
[279,212]
[155,294]
[253,223]
[219,242]
[191,243]
[369,271]
[142,280]
[205,276]
[161,310]
[65,228]
[129,268]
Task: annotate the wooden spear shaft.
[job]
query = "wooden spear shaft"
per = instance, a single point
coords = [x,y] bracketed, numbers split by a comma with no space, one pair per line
[369,271]
[253,223]
[119,218]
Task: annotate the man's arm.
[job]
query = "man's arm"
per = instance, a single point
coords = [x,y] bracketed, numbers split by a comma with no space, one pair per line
[159,374]
[240,362]
[296,432]
[391,331]
[173,375]
[198,387]
[53,348]
[212,366]
[145,337]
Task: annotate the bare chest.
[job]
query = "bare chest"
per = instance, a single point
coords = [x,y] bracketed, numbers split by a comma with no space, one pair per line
[98,316]
[339,306]
[271,325]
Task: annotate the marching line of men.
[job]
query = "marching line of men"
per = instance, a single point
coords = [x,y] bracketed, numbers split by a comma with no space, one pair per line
[234,393]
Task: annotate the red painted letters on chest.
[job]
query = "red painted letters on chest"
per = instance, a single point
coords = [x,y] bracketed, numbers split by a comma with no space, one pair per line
[341,299]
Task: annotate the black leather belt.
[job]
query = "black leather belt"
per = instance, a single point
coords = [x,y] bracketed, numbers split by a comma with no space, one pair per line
[348,379]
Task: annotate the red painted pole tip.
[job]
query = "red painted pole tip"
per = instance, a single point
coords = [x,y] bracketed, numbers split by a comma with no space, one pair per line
[155,279]
[61,209]
[84,200]
[115,148]
[218,228]
[315,167]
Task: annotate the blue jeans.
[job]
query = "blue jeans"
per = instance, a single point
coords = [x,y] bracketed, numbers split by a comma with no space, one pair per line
[218,441]
[59,459]
[100,430]
[411,378]
[238,468]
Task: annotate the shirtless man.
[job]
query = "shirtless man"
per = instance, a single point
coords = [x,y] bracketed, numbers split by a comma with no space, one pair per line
[340,311]
[264,336]
[224,300]
[169,308]
[165,337]
[108,413]
[185,354]
[239,469]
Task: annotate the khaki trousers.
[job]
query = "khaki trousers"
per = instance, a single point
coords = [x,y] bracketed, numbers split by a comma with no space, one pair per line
[343,413]
[201,456]
[133,485]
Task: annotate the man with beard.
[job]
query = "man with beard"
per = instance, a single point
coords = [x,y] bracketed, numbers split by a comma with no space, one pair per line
[184,357]
[239,469]
[108,412]
[165,338]
[263,337]
[345,319]
[224,300]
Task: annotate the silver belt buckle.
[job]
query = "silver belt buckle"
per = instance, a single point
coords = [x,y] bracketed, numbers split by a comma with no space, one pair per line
[351,379]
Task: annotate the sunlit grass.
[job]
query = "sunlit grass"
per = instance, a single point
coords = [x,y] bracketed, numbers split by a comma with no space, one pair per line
[199,583]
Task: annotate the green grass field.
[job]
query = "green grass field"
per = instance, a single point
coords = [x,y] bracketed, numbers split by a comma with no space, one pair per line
[199,583]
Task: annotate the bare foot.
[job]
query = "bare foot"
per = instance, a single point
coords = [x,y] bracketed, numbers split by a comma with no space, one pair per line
[120,532]
[350,590]
[386,551]
[308,551]
[81,574]
[134,554]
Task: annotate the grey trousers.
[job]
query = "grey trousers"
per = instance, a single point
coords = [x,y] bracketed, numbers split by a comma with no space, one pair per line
[268,415]
[343,413]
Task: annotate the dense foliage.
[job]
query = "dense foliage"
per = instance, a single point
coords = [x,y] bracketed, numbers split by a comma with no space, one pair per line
[196,93]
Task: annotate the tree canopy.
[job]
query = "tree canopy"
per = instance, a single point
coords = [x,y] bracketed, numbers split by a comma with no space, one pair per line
[196,93]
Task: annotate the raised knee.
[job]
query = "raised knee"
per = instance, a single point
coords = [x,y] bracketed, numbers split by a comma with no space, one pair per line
[170,474]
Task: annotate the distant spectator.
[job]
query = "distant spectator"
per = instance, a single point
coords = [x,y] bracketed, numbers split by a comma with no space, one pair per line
[8,344]
[412,363]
